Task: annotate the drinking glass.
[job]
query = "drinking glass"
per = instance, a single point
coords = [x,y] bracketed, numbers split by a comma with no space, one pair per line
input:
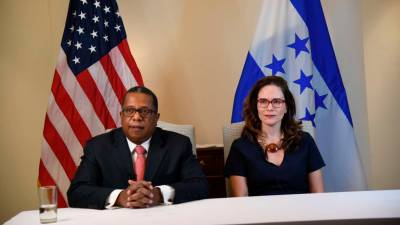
[47,204]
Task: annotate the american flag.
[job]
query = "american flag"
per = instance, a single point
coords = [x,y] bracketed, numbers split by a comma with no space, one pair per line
[94,69]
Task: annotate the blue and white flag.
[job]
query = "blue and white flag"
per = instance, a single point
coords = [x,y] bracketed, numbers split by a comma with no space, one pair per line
[292,41]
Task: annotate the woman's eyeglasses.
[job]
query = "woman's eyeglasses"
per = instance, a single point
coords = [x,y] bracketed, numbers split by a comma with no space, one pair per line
[275,102]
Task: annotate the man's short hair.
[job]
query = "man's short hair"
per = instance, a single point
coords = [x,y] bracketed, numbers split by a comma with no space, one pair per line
[144,90]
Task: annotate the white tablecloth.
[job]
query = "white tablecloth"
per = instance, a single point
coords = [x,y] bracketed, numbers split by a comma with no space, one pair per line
[369,207]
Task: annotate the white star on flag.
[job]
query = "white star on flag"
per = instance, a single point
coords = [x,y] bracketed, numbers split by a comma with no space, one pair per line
[76,60]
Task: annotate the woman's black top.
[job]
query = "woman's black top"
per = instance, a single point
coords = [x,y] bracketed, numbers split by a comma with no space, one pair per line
[247,159]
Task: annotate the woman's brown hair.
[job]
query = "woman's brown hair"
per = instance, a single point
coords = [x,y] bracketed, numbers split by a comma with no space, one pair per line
[290,127]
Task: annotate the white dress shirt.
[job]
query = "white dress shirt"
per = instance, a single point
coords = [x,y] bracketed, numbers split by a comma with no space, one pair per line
[167,191]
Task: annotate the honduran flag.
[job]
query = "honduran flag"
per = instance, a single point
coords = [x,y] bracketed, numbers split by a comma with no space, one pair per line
[292,41]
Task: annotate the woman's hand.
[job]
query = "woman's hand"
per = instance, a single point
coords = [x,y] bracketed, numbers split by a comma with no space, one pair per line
[238,186]
[315,181]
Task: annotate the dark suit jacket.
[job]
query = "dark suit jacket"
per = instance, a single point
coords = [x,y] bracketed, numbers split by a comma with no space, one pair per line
[107,165]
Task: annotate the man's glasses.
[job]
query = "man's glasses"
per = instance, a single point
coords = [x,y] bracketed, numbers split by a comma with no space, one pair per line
[143,112]
[275,102]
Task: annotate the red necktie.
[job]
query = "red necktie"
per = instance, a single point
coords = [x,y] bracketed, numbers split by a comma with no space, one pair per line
[140,162]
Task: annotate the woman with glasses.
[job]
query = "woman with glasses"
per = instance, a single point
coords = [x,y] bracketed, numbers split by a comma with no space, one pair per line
[273,155]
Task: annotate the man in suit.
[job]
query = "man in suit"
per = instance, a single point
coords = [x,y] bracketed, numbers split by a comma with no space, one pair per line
[111,171]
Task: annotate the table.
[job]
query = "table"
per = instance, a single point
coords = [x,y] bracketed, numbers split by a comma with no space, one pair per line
[363,207]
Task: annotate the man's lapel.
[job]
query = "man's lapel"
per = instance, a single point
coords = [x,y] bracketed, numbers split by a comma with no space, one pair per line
[122,154]
[155,155]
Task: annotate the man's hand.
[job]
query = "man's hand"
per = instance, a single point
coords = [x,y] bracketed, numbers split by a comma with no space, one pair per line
[137,195]
[157,197]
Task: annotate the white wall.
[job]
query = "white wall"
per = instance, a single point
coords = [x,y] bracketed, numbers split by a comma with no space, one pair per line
[381,32]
